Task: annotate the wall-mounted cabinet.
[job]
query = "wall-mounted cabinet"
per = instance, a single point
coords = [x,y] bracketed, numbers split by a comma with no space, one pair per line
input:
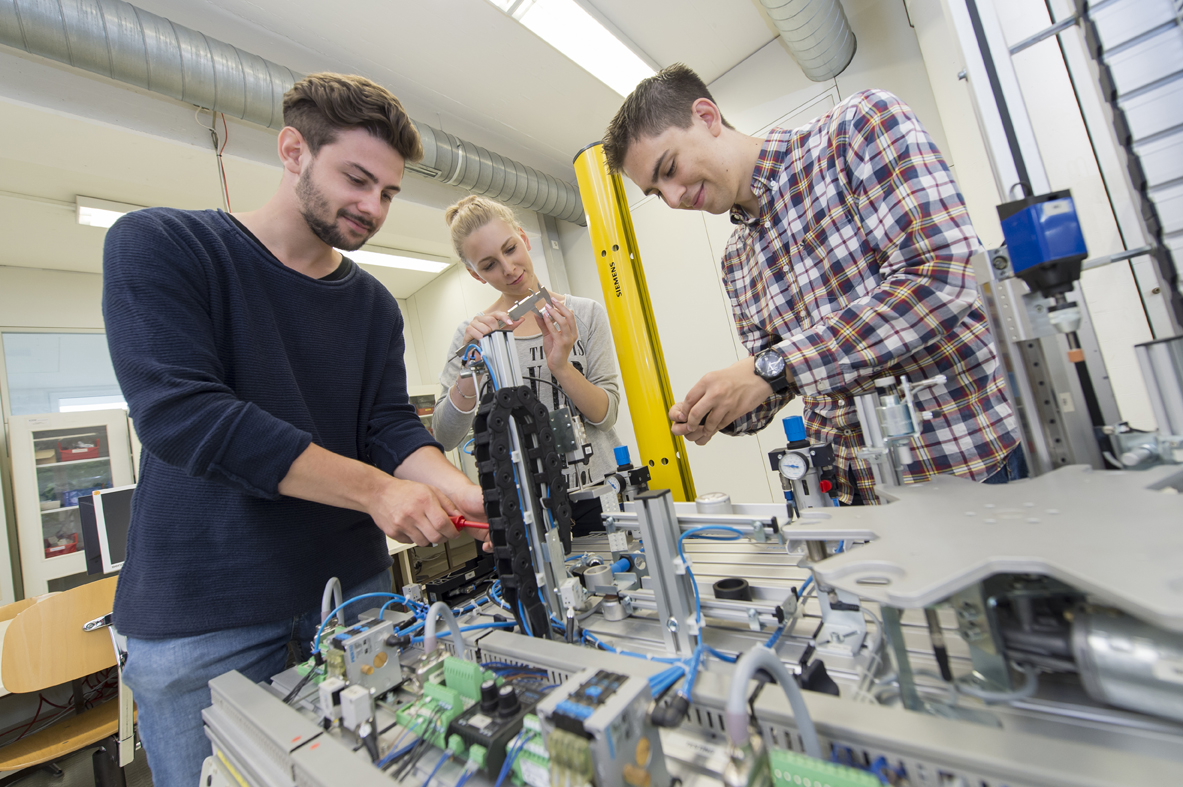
[57,458]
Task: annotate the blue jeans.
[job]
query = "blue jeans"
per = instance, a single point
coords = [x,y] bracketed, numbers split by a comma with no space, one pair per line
[1013,469]
[170,677]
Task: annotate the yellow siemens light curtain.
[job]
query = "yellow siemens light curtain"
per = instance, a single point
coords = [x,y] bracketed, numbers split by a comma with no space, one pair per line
[638,349]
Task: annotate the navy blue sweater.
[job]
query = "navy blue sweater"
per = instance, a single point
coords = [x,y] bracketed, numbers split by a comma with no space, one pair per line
[232,364]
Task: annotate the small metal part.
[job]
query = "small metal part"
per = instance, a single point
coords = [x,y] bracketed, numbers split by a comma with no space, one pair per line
[530,304]
[598,579]
[613,609]
[562,426]
[759,534]
[816,550]
[713,503]
[97,623]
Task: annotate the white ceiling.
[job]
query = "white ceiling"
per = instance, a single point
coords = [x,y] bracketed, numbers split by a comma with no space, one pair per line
[460,65]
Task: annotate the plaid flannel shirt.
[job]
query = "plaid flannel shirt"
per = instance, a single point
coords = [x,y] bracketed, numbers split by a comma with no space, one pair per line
[857,267]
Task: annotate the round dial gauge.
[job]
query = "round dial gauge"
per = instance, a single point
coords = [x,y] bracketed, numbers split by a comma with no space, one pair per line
[616,481]
[794,465]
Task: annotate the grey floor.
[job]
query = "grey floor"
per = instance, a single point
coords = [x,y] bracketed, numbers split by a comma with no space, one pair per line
[77,771]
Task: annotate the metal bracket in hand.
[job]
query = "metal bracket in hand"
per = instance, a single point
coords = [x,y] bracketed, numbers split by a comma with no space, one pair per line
[530,304]
[521,309]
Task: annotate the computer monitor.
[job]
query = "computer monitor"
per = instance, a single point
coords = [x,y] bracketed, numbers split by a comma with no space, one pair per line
[106,515]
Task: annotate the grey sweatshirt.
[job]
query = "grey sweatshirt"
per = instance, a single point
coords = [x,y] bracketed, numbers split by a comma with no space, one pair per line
[593,355]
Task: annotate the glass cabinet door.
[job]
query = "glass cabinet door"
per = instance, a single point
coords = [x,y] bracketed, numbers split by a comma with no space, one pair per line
[71,463]
[58,458]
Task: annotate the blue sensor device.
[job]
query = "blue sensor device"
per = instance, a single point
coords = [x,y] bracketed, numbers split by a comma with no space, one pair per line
[1044,241]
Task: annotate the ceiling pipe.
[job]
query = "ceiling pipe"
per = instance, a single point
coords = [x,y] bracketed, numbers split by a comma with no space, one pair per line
[817,34]
[128,44]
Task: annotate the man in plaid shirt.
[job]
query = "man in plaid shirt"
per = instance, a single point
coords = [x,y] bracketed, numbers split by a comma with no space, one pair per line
[850,262]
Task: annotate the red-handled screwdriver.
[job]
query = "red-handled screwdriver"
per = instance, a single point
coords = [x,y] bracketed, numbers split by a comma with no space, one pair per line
[461,523]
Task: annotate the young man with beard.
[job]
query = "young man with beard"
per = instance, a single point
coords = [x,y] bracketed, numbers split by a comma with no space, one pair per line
[850,262]
[264,371]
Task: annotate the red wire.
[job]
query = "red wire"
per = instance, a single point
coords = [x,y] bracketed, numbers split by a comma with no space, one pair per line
[221,166]
[40,705]
[99,694]
[54,704]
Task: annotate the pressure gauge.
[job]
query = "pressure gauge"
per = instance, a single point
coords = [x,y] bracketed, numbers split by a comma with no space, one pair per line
[616,481]
[794,465]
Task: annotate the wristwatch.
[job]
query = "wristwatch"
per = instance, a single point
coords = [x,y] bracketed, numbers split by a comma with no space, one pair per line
[770,366]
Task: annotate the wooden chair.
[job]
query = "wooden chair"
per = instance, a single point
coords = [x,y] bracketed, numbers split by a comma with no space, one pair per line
[44,646]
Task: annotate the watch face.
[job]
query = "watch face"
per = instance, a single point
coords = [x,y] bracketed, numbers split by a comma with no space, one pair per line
[770,365]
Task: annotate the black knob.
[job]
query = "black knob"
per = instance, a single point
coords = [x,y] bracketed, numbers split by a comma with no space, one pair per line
[508,703]
[488,696]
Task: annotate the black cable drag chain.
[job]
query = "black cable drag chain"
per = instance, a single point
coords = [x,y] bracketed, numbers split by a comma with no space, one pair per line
[507,528]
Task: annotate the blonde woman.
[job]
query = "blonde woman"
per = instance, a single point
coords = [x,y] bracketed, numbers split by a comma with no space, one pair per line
[566,356]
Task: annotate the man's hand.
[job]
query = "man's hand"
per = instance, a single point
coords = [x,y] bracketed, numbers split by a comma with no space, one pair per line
[718,399]
[408,511]
[472,505]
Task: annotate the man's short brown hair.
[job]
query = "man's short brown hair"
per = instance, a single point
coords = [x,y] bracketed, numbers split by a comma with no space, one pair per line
[657,103]
[320,105]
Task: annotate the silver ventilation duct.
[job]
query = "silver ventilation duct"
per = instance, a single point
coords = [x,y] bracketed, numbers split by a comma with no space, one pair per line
[128,44]
[817,34]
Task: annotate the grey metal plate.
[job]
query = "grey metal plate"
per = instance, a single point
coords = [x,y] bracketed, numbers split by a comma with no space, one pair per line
[1154,110]
[1125,20]
[1168,201]
[1162,158]
[1116,535]
[1157,57]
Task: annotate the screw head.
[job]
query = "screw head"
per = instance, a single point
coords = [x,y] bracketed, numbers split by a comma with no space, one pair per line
[1001,262]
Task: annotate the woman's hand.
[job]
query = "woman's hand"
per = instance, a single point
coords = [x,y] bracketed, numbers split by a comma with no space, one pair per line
[559,333]
[464,391]
[484,324]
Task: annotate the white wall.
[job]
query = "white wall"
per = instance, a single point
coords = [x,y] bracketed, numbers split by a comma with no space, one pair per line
[37,298]
[681,251]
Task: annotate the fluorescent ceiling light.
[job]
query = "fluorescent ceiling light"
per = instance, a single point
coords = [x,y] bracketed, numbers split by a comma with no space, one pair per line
[100,212]
[394,258]
[579,36]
